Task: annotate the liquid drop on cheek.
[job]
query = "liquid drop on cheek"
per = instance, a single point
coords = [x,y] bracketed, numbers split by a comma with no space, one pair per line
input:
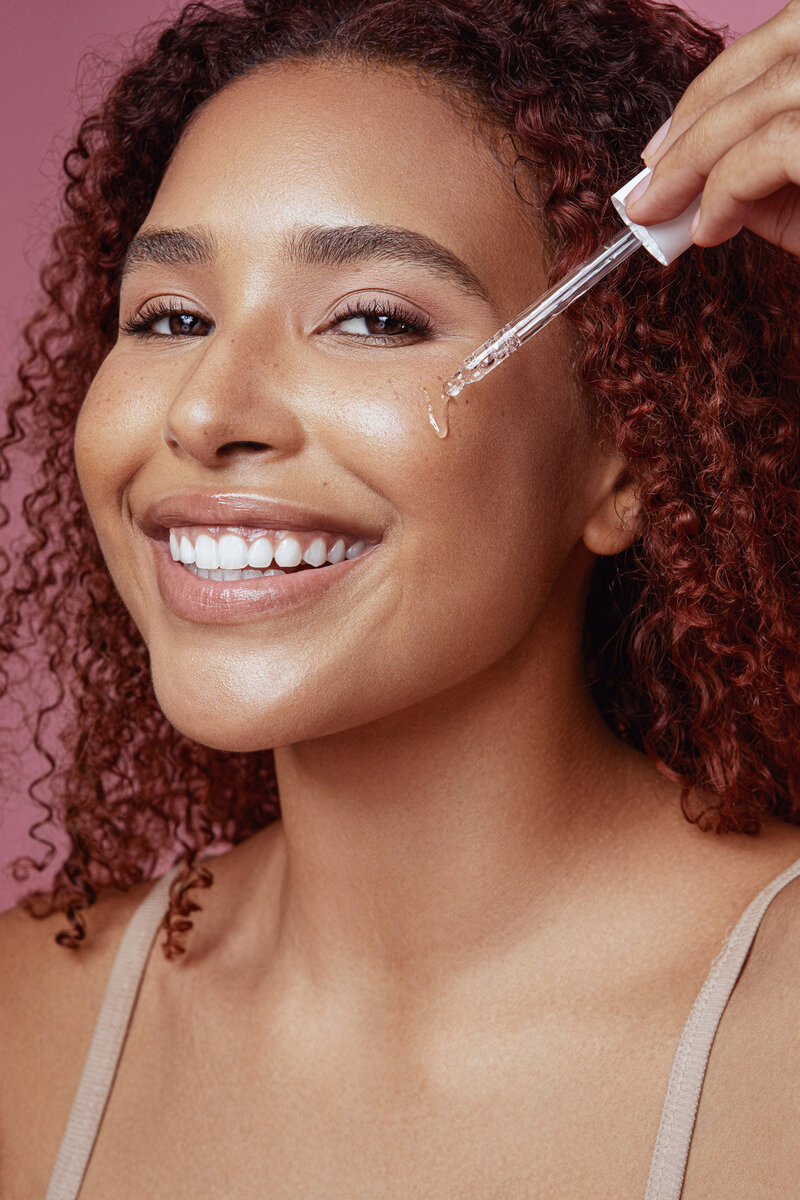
[437,404]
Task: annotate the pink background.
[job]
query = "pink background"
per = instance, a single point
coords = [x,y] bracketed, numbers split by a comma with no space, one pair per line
[50,63]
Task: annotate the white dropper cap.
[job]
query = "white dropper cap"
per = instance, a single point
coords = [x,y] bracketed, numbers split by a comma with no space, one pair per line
[666,240]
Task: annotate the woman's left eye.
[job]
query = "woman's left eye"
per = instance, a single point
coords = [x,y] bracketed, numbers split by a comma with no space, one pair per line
[382,323]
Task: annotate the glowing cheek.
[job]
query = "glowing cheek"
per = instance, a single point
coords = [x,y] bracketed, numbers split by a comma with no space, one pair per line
[113,436]
[92,436]
[378,417]
[423,401]
[107,434]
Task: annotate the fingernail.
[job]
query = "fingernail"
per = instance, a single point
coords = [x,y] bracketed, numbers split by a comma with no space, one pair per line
[656,140]
[638,192]
[694,224]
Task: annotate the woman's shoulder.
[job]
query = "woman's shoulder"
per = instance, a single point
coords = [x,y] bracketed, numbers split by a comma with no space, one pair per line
[738,868]
[774,853]
[752,1076]
[31,957]
[50,997]
[43,983]
[778,936]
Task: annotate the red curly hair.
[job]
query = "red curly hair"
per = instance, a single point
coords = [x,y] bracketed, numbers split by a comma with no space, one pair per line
[691,636]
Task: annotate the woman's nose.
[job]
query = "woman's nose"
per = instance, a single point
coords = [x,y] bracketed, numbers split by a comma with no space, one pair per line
[234,401]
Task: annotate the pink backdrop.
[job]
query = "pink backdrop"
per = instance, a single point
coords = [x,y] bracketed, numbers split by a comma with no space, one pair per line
[50,62]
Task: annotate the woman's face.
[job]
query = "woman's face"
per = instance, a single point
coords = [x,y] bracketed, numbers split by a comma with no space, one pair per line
[341,239]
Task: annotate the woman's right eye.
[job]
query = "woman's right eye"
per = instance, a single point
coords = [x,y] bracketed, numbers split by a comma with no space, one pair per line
[178,324]
[161,320]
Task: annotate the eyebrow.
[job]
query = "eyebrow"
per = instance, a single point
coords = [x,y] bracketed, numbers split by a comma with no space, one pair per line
[317,245]
[341,245]
[169,248]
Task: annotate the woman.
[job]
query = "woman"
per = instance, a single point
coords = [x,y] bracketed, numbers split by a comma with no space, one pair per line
[514,679]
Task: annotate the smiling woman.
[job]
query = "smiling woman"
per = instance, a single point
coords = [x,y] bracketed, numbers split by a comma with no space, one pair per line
[453,717]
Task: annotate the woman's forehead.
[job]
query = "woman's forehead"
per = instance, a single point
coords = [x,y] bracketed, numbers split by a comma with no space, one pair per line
[324,144]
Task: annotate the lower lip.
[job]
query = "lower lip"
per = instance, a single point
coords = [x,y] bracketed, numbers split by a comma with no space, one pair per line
[229,602]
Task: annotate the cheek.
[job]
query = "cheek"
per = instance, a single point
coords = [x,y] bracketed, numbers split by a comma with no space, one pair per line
[486,515]
[113,439]
[112,435]
[505,475]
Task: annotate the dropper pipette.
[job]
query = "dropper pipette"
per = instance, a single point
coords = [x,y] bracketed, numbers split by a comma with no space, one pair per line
[664,241]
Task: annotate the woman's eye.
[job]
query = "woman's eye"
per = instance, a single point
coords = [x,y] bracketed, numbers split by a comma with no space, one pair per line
[375,325]
[380,322]
[176,324]
[161,322]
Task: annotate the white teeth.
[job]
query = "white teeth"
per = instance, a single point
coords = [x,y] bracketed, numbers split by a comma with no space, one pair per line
[205,552]
[259,552]
[288,552]
[336,552]
[231,557]
[232,552]
[316,553]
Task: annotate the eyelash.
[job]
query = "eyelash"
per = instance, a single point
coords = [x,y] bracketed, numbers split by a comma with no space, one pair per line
[154,311]
[418,326]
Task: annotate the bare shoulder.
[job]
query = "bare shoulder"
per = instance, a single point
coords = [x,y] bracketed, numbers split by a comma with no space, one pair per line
[779,851]
[765,1005]
[33,963]
[757,864]
[751,1085]
[50,997]
[778,940]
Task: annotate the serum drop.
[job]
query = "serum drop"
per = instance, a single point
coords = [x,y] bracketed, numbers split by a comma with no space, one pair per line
[437,404]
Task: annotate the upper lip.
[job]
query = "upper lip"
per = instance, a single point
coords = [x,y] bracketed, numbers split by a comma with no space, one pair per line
[239,508]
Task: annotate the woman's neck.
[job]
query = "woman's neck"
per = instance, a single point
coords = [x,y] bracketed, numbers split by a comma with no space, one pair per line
[413,847]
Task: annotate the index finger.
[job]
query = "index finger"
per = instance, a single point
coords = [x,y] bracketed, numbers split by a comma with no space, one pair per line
[738,64]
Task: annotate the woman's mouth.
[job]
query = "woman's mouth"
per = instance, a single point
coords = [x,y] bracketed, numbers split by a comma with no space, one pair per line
[229,574]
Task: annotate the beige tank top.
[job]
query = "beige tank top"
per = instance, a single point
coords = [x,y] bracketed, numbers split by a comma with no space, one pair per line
[671,1151]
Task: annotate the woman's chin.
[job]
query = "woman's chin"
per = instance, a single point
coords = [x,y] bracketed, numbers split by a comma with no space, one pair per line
[217,733]
[222,724]
[245,723]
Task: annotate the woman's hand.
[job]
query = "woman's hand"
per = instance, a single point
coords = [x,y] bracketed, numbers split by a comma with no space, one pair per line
[735,136]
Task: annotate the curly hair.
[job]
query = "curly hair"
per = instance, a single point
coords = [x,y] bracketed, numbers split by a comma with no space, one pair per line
[691,636]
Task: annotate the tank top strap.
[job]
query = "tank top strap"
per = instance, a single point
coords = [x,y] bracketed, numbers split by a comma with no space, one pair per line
[671,1153]
[101,1063]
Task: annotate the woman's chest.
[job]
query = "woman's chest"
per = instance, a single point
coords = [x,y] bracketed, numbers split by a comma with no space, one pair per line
[568,1109]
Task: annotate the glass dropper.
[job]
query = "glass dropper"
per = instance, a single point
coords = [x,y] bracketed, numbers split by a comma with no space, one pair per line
[547,307]
[665,241]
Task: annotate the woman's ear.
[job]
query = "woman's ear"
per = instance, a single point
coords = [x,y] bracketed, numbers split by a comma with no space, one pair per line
[615,520]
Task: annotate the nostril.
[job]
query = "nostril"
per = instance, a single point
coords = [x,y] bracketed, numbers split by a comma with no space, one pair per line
[232,447]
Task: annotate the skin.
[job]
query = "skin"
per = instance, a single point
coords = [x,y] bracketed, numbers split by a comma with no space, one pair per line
[454,808]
